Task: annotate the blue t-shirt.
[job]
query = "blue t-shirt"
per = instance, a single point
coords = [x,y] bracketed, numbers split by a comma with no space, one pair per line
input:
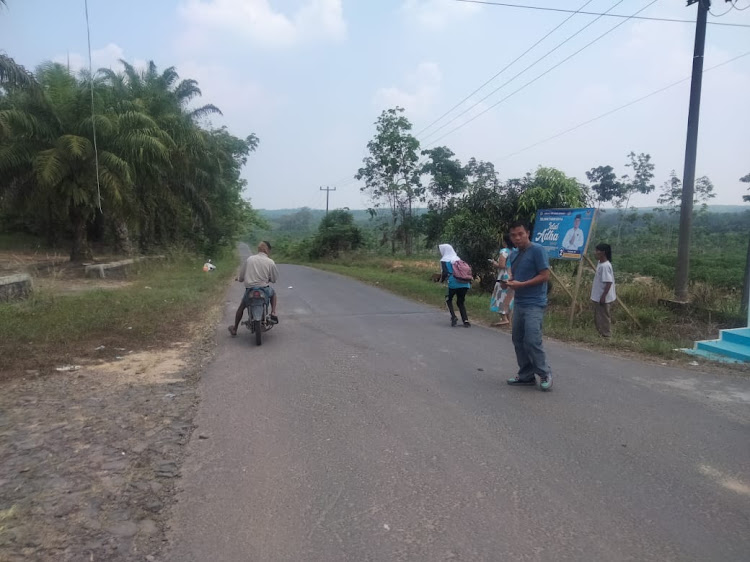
[525,265]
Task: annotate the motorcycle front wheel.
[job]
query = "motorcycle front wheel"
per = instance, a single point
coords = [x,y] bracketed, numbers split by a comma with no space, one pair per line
[257,330]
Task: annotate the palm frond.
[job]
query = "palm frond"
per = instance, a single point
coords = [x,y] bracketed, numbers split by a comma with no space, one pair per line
[16,157]
[14,74]
[136,120]
[169,77]
[105,126]
[116,166]
[75,146]
[17,123]
[50,169]
[187,90]
[203,111]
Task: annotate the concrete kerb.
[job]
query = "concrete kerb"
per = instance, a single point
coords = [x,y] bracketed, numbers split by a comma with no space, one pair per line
[15,287]
[117,269]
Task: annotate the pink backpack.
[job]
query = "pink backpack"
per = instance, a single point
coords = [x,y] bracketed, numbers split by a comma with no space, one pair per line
[462,271]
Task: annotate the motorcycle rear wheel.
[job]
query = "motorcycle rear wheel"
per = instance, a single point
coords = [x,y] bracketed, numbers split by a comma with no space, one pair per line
[257,330]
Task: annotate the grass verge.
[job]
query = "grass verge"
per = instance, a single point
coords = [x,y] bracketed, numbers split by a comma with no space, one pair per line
[162,303]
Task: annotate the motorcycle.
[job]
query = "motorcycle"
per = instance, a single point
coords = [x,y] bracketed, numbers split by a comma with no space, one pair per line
[259,320]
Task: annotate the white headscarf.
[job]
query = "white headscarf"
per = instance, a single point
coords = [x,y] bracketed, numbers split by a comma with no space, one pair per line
[447,253]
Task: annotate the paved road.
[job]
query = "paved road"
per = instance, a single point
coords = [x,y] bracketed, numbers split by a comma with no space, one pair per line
[366,429]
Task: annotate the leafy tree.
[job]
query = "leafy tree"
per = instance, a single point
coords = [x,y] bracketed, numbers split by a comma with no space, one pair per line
[337,233]
[392,174]
[639,181]
[447,175]
[479,220]
[447,180]
[604,184]
[481,174]
[671,193]
[549,188]
[746,179]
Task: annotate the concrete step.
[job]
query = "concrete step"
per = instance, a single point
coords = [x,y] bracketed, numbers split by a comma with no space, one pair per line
[729,349]
[738,335]
[703,354]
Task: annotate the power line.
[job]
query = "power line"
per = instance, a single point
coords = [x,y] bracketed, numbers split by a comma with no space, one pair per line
[504,69]
[541,75]
[610,112]
[537,61]
[93,117]
[731,7]
[546,9]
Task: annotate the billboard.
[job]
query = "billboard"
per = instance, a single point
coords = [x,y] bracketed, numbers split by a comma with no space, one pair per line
[563,232]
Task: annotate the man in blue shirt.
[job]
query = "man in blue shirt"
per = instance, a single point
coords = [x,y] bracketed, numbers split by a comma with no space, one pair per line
[529,276]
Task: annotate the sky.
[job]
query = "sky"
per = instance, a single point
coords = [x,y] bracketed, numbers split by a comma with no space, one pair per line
[310,78]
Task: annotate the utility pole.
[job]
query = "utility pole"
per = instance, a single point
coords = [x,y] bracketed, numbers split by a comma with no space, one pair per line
[328,191]
[691,148]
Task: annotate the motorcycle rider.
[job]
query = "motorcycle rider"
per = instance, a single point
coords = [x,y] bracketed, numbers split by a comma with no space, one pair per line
[258,272]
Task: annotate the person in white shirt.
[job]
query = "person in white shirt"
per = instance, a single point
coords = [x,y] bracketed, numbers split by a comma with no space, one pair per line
[603,290]
[573,240]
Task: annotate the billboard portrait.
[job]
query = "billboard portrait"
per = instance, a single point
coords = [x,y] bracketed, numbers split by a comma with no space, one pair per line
[563,232]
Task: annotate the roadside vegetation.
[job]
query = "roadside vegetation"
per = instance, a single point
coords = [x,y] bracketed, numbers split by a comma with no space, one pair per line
[161,302]
[141,173]
[420,198]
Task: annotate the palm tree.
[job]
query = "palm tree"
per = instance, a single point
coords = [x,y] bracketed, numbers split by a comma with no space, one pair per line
[179,201]
[47,142]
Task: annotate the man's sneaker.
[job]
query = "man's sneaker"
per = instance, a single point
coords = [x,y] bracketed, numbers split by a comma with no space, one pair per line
[467,324]
[274,319]
[515,381]
[545,383]
[454,321]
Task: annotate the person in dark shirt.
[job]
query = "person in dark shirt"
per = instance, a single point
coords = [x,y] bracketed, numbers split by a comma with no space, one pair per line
[529,275]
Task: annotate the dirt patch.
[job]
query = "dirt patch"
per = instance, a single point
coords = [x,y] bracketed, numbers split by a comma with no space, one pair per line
[91,455]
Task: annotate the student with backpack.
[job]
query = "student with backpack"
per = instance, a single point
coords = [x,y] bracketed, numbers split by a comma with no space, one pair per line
[459,275]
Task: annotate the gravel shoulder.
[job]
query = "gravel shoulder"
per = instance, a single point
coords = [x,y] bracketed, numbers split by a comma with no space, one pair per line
[91,456]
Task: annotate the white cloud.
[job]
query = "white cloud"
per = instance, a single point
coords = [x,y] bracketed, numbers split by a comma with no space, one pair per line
[437,14]
[106,57]
[258,22]
[245,104]
[422,88]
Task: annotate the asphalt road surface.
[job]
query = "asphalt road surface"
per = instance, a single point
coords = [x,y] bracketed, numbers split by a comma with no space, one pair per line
[365,428]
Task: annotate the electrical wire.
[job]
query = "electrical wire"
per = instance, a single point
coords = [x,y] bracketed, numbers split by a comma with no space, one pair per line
[731,7]
[540,76]
[503,70]
[547,9]
[610,112]
[734,5]
[537,61]
[93,116]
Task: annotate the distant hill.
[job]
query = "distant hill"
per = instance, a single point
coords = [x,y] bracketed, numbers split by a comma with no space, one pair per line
[360,215]
[272,214]
[711,209]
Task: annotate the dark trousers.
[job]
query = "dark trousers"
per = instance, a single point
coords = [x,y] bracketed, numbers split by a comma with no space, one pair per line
[460,298]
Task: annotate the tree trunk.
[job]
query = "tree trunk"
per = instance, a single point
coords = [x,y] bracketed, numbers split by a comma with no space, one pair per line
[81,250]
[123,245]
